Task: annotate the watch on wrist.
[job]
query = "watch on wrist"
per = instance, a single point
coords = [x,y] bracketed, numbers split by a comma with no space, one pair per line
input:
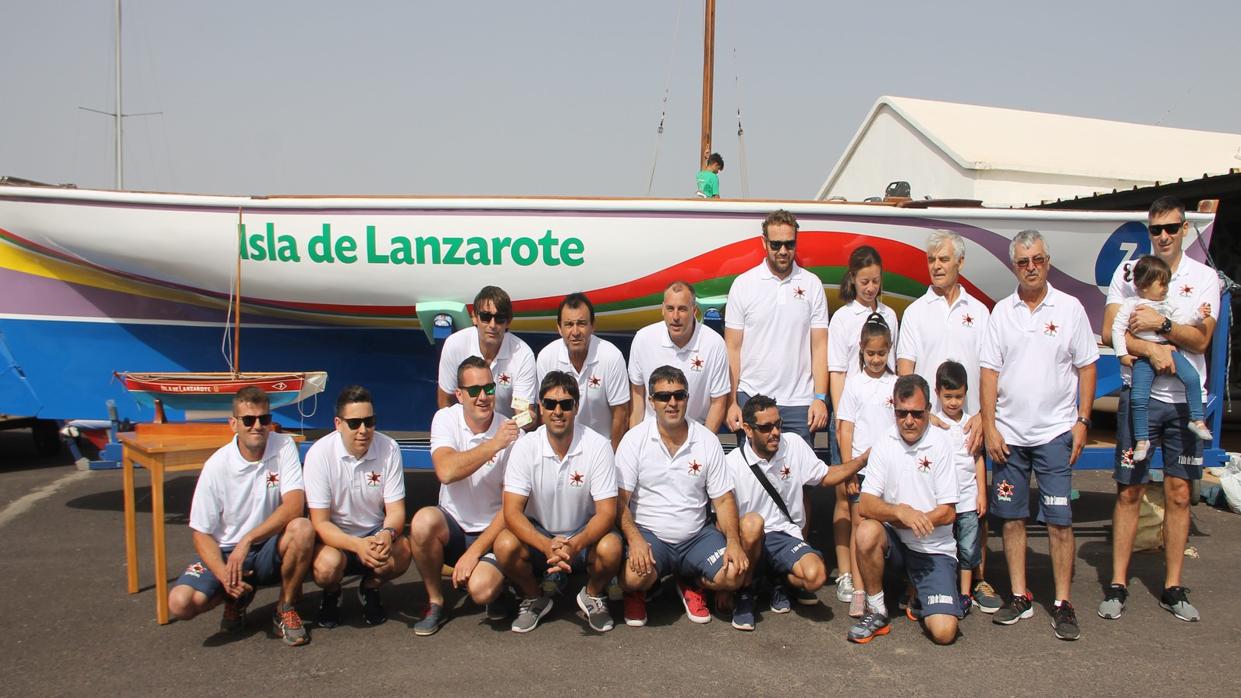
[1084,420]
[1166,327]
[391,532]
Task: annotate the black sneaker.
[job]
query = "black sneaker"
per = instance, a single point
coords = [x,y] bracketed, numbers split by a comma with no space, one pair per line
[1176,600]
[1064,621]
[372,608]
[329,609]
[1018,607]
[234,618]
[1113,604]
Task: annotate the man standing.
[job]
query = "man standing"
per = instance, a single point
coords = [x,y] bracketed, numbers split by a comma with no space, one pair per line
[355,490]
[908,505]
[470,448]
[709,178]
[559,509]
[596,363]
[248,528]
[510,359]
[682,342]
[669,469]
[1038,381]
[775,327]
[1193,285]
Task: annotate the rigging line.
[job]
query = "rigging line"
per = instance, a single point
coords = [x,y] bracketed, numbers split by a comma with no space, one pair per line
[663,115]
[745,170]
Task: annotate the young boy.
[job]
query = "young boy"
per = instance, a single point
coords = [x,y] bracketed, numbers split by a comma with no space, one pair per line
[970,528]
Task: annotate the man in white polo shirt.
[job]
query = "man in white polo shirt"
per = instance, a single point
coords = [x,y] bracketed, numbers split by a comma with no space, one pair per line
[908,504]
[1037,384]
[773,514]
[246,517]
[511,361]
[670,468]
[775,327]
[559,509]
[470,447]
[681,341]
[355,490]
[596,363]
[1193,285]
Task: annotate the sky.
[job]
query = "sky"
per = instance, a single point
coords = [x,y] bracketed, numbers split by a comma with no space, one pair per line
[558,97]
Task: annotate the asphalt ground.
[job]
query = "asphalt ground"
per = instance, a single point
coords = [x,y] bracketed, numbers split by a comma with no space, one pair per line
[70,628]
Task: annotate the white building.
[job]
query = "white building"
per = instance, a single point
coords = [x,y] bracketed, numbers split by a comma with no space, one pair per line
[1006,157]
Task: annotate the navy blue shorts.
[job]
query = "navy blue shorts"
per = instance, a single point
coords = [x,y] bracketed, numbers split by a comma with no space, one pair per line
[1010,489]
[1169,429]
[700,556]
[459,541]
[966,530]
[261,568]
[782,551]
[934,576]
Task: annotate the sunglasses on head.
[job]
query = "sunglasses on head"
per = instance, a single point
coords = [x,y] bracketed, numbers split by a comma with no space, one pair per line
[565,405]
[249,419]
[1169,228]
[766,428]
[916,414]
[486,317]
[1035,261]
[777,245]
[356,423]
[474,390]
[667,395]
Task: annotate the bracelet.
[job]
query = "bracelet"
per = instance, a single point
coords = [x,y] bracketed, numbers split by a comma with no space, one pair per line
[821,396]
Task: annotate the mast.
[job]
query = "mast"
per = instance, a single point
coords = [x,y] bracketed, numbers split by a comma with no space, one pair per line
[119,116]
[708,80]
[241,240]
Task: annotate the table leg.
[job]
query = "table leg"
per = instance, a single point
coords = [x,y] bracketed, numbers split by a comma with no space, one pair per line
[131,522]
[157,535]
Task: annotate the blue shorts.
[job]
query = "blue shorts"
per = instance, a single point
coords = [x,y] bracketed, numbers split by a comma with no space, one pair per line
[969,544]
[459,541]
[793,418]
[1169,428]
[934,576]
[261,568]
[1010,489]
[782,551]
[700,556]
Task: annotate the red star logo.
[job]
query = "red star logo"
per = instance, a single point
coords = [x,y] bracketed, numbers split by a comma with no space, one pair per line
[887,402]
[799,292]
[1187,290]
[1005,490]
[967,320]
[595,381]
[372,478]
[1050,329]
[694,467]
[695,364]
[504,379]
[924,465]
[1126,458]
[785,472]
[273,479]
[575,479]
[196,568]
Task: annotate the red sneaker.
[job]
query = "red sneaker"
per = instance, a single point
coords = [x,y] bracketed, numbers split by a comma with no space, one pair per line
[695,603]
[635,608]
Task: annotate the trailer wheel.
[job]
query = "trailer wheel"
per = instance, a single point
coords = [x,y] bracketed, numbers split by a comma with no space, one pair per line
[46,434]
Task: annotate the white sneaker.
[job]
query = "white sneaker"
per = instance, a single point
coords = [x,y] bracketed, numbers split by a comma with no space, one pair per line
[1200,430]
[1140,451]
[844,588]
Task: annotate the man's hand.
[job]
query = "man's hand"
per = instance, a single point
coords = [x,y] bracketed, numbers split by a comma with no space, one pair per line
[996,448]
[365,550]
[973,433]
[915,521]
[1204,311]
[1161,359]
[816,416]
[464,568]
[733,419]
[560,555]
[505,435]
[1079,441]
[734,556]
[1145,319]
[381,544]
[235,566]
[641,561]
[852,487]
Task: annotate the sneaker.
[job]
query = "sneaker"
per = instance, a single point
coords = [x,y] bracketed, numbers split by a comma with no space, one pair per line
[743,612]
[433,617]
[635,609]
[498,609]
[1020,607]
[1200,430]
[805,598]
[857,604]
[1114,597]
[1140,450]
[1064,621]
[780,599]
[555,583]
[1175,600]
[329,609]
[985,597]
[869,627]
[596,610]
[289,626]
[844,588]
[966,604]
[531,612]
[372,607]
[234,618]
[695,603]
[913,610]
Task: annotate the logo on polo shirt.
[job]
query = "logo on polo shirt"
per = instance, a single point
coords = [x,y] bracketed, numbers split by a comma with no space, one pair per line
[888,403]
[924,465]
[967,320]
[1050,329]
[799,293]
[576,479]
[785,472]
[695,364]
[504,379]
[373,479]
[1004,491]
[196,569]
[594,381]
[273,480]
[694,468]
[1126,458]
[1187,290]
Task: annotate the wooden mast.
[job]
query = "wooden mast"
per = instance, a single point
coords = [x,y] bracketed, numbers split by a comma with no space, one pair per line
[237,302]
[708,81]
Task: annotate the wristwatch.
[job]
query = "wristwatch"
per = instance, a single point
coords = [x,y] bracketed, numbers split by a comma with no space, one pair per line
[391,531]
[1083,420]
[1166,327]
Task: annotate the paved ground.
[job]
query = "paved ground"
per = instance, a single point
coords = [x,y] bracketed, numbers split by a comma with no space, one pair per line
[70,628]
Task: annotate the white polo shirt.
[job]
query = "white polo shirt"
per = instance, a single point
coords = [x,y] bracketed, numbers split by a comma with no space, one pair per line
[776,316]
[354,490]
[866,402]
[1037,355]
[844,337]
[963,461]
[512,369]
[472,501]
[1193,284]
[922,476]
[933,332]
[671,490]
[602,381]
[703,360]
[562,494]
[233,495]
[792,467]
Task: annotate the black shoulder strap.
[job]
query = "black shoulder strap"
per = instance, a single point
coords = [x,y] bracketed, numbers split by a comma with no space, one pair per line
[762,479]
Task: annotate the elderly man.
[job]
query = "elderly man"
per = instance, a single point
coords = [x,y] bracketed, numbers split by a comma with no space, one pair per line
[1038,382]
[1192,286]
[510,359]
[683,342]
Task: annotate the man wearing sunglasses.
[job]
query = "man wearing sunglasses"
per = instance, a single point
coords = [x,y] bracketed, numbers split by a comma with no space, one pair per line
[669,469]
[775,327]
[681,341]
[1193,285]
[510,359]
[470,447]
[560,509]
[1037,384]
[771,531]
[355,490]
[596,363]
[246,518]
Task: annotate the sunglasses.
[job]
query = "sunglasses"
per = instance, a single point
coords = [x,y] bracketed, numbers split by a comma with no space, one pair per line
[766,428]
[248,420]
[1169,228]
[1035,261]
[485,317]
[916,414]
[668,395]
[474,390]
[565,405]
[356,422]
[777,245]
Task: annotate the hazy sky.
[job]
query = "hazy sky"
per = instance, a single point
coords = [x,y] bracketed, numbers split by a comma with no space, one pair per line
[562,97]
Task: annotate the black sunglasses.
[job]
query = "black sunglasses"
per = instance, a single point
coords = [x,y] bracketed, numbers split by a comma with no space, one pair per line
[486,317]
[474,390]
[666,395]
[916,414]
[248,420]
[776,245]
[766,428]
[356,422]
[1169,228]
[565,405]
